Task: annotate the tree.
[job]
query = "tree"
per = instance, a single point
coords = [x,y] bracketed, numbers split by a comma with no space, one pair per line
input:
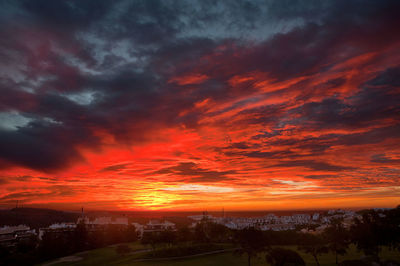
[376,229]
[284,257]
[365,234]
[313,245]
[115,233]
[81,237]
[168,236]
[338,238]
[251,242]
[391,228]
[152,239]
[184,234]
[27,245]
[208,231]
[53,245]
[202,231]
[218,232]
[131,234]
[97,239]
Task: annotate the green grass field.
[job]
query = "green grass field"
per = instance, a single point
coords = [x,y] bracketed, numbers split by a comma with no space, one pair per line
[109,256]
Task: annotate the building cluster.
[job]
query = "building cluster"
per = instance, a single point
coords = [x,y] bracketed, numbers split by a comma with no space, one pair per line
[101,223]
[281,223]
[10,236]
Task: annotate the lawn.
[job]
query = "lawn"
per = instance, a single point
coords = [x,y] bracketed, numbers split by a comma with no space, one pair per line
[109,256]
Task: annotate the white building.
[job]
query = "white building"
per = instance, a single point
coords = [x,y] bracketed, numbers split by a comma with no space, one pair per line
[139,229]
[100,221]
[155,226]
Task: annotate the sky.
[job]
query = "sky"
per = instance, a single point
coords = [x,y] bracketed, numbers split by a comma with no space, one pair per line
[199,105]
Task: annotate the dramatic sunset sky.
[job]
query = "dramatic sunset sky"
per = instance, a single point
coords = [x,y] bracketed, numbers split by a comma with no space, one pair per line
[199,105]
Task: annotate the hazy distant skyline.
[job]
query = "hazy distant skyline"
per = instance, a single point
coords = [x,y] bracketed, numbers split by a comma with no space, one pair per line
[194,105]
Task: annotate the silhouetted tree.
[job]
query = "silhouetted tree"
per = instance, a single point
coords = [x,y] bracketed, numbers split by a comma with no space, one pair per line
[391,228]
[338,238]
[202,231]
[27,245]
[313,245]
[54,245]
[152,239]
[115,234]
[131,234]
[284,257]
[251,242]
[168,237]
[376,229]
[81,237]
[218,232]
[184,234]
[365,234]
[208,231]
[97,239]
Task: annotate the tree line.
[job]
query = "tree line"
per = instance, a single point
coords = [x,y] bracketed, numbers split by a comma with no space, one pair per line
[369,234]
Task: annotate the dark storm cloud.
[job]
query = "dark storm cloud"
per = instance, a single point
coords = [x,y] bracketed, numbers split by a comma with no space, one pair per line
[263,155]
[330,112]
[66,15]
[313,145]
[369,137]
[376,100]
[115,167]
[383,159]
[55,191]
[314,165]
[16,196]
[41,147]
[320,177]
[193,173]
[347,25]
[240,145]
[75,67]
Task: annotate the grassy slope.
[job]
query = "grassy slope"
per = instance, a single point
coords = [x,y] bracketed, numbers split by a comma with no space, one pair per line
[108,256]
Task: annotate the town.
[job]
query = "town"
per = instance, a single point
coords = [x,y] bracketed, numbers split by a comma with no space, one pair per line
[315,233]
[11,235]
